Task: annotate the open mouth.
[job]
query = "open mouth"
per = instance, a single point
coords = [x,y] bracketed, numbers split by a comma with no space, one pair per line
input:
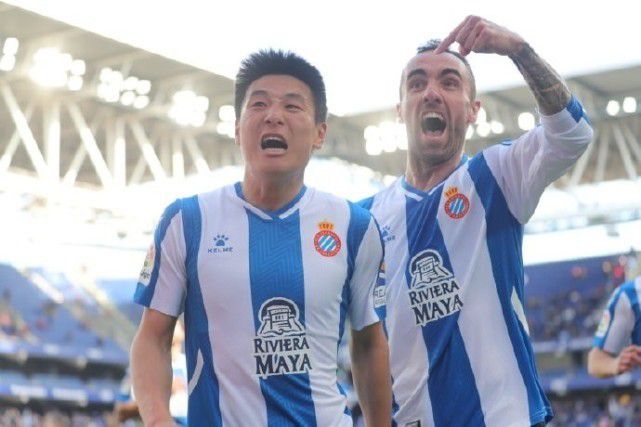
[273,141]
[433,123]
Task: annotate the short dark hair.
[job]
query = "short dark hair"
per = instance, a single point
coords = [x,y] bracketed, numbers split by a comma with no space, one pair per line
[431,45]
[269,62]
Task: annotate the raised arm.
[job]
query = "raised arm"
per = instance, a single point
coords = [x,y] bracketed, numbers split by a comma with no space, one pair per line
[476,34]
[151,367]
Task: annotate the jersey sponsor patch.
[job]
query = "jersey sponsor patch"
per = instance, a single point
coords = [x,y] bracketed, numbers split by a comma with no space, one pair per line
[434,291]
[280,345]
[380,290]
[326,242]
[220,245]
[603,324]
[148,266]
[457,205]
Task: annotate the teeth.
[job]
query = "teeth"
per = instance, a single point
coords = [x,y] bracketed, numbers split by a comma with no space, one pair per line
[433,115]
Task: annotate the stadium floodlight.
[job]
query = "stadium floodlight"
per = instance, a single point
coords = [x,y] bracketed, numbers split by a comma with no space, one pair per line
[52,68]
[613,107]
[74,83]
[131,91]
[388,136]
[483,129]
[373,147]
[141,102]
[226,128]
[226,113]
[526,121]
[481,116]
[469,133]
[497,127]
[629,104]
[7,62]
[9,51]
[10,46]
[188,108]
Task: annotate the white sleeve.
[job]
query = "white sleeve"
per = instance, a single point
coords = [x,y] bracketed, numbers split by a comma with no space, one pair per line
[524,167]
[162,284]
[367,285]
[615,329]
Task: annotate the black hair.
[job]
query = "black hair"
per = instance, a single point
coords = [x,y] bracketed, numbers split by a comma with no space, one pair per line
[431,45]
[269,62]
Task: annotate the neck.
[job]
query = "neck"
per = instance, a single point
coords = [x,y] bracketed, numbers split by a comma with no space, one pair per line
[424,175]
[271,193]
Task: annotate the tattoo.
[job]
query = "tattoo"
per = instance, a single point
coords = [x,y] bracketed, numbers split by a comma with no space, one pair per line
[551,93]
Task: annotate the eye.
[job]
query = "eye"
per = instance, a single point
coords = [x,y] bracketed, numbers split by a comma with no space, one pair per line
[451,83]
[258,104]
[416,84]
[293,107]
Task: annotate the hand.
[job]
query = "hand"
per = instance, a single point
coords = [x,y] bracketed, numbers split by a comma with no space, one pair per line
[476,34]
[628,359]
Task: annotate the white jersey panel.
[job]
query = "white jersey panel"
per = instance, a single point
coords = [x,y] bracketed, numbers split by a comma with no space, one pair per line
[324,288]
[224,281]
[492,361]
[410,362]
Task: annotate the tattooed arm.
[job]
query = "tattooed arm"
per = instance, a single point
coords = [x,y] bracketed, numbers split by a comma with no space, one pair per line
[476,34]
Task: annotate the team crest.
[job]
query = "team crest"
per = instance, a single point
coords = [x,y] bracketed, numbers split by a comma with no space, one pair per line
[326,242]
[457,205]
[148,266]
[603,324]
[280,345]
[434,291]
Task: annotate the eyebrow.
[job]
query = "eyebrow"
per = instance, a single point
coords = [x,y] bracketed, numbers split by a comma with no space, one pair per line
[443,73]
[290,96]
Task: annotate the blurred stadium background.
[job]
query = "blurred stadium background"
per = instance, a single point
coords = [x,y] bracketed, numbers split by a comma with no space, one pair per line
[97,136]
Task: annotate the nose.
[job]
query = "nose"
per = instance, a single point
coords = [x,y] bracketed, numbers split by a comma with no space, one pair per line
[274,115]
[431,95]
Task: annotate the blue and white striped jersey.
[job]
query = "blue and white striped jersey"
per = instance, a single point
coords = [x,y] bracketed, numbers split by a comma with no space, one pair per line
[460,351]
[265,296]
[621,322]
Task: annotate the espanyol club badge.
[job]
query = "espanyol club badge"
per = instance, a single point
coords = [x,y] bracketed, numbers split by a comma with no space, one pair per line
[326,242]
[456,205]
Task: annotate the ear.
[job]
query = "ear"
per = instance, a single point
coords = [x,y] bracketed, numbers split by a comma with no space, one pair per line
[398,113]
[237,133]
[474,110]
[321,130]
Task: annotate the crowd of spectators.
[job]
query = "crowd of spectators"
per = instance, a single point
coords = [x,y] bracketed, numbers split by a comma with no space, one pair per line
[614,410]
[27,417]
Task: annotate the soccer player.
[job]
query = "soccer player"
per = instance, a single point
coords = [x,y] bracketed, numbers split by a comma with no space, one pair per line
[453,227]
[266,271]
[617,341]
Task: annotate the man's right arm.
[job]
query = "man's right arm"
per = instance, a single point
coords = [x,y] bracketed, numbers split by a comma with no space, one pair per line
[151,367]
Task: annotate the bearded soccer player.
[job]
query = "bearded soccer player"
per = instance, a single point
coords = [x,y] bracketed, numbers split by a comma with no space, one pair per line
[617,341]
[266,271]
[460,351]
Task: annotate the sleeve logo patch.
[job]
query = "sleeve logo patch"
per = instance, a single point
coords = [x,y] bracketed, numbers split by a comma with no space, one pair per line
[148,266]
[604,324]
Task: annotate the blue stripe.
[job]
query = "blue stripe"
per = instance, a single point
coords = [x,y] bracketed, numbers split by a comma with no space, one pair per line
[276,271]
[144,294]
[366,203]
[631,292]
[204,401]
[452,388]
[576,110]
[504,241]
[600,342]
